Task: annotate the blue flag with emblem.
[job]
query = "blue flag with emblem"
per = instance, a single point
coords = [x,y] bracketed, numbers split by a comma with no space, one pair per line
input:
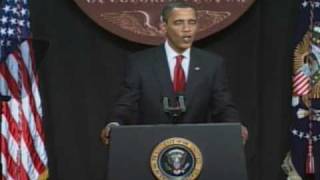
[303,160]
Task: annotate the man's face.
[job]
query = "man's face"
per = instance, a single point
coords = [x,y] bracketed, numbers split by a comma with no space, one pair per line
[181,28]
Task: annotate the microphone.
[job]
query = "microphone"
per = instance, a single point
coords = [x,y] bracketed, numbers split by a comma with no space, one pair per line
[4,98]
[175,108]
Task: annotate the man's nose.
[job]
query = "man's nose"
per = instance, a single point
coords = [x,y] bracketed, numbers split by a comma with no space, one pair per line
[186,27]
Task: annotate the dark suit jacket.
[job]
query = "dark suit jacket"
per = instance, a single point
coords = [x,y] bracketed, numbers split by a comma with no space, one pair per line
[148,81]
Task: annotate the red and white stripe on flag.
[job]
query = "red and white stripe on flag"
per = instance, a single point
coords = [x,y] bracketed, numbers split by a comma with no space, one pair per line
[23,154]
[301,84]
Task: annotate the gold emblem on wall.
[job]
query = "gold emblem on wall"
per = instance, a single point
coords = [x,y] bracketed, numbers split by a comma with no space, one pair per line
[139,20]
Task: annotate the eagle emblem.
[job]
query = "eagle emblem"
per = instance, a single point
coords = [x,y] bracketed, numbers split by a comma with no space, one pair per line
[139,22]
[307,61]
[176,159]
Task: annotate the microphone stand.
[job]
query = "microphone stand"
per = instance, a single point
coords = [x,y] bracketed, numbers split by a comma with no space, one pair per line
[176,111]
[2,100]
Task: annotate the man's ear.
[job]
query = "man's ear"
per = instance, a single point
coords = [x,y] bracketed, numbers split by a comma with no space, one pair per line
[163,28]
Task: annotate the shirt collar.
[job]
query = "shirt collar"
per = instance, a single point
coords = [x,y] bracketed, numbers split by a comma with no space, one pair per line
[171,53]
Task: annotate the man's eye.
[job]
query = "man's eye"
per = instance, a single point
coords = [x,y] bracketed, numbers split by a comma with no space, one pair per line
[178,22]
[193,22]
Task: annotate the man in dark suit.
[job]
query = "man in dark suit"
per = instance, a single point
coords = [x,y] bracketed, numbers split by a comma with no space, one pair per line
[175,69]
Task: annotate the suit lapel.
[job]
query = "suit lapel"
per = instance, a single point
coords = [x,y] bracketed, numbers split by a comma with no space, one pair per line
[194,75]
[161,69]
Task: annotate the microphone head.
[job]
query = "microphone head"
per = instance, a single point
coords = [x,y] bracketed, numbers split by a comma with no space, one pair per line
[4,98]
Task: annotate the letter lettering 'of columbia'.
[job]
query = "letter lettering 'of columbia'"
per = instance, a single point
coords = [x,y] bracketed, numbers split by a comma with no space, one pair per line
[139,1]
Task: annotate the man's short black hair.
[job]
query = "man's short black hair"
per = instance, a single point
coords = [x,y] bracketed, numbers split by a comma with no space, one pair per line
[168,8]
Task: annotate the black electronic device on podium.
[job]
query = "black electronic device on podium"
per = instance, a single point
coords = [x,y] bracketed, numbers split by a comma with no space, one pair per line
[177,152]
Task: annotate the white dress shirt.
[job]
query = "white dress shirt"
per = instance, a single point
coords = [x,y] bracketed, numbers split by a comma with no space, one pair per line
[171,58]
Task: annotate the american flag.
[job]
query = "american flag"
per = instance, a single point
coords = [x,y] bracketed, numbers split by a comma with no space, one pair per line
[301,84]
[23,154]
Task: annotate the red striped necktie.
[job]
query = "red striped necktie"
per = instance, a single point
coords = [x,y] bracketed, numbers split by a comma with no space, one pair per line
[179,80]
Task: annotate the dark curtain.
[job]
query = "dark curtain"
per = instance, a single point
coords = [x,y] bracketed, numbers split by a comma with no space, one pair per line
[83,67]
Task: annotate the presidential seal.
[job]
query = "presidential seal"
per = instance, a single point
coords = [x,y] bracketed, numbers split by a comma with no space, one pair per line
[176,159]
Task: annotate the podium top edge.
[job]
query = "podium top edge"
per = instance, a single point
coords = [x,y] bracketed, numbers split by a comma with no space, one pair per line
[233,124]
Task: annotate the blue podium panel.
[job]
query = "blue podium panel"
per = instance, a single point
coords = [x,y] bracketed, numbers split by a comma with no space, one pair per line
[131,148]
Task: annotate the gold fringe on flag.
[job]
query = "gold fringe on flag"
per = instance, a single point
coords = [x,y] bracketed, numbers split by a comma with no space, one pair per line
[44,175]
[289,168]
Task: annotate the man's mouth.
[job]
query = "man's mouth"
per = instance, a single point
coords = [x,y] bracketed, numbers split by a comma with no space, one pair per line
[186,39]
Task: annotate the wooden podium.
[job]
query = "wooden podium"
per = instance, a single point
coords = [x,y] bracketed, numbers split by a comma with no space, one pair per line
[134,151]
